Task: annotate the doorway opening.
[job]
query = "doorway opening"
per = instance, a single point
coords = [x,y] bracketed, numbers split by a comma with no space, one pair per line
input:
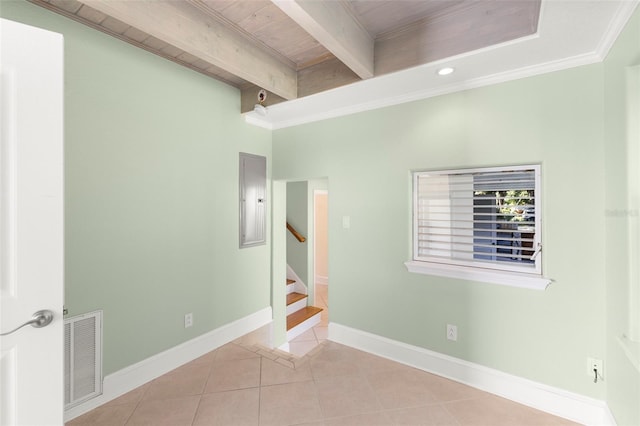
[307,262]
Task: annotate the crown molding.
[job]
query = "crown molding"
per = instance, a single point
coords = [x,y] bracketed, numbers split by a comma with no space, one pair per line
[616,26]
[594,26]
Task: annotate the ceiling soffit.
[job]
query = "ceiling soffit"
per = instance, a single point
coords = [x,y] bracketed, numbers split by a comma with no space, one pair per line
[570,34]
[297,48]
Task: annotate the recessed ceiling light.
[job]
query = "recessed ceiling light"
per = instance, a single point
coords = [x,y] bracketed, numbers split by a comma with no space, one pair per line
[445,71]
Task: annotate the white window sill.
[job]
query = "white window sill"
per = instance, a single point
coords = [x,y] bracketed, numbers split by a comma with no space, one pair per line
[513,279]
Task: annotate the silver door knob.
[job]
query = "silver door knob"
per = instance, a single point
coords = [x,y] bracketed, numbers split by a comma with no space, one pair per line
[38,320]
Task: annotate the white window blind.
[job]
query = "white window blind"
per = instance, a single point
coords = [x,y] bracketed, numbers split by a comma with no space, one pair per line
[480,218]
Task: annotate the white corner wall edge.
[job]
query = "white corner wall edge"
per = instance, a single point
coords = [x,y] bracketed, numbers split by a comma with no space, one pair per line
[299,286]
[136,375]
[284,347]
[546,398]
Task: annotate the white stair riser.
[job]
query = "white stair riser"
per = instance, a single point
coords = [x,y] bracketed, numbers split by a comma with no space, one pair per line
[300,304]
[291,288]
[307,324]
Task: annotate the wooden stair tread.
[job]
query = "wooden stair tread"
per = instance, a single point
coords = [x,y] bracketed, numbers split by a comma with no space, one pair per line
[294,297]
[290,281]
[300,316]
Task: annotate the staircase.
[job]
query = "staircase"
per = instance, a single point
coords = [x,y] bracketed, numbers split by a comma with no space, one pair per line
[300,316]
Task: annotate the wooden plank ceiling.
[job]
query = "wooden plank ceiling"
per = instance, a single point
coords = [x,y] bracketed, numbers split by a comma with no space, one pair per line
[295,48]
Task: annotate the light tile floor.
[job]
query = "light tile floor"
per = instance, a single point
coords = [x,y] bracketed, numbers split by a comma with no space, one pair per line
[322,384]
[333,385]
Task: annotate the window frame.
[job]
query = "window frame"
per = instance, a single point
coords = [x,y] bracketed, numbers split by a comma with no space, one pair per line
[504,273]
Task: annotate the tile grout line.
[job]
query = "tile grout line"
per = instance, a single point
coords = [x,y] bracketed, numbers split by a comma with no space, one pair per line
[444,407]
[195,413]
[206,382]
[204,387]
[146,389]
[315,388]
[260,391]
[375,394]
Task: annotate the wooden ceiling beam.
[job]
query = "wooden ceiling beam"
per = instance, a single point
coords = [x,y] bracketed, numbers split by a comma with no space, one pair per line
[466,27]
[335,28]
[185,27]
[314,79]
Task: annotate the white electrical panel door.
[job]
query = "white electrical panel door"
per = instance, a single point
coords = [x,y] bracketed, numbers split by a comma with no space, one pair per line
[253,200]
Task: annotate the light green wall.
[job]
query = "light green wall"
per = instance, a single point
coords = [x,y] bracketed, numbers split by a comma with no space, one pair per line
[622,378]
[297,215]
[151,200]
[553,119]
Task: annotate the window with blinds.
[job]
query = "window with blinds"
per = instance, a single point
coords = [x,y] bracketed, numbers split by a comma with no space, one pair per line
[481,218]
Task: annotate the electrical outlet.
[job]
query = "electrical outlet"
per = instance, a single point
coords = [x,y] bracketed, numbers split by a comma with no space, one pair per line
[597,364]
[188,320]
[452,332]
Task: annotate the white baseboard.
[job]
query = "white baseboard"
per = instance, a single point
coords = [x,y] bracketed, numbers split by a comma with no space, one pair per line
[609,419]
[321,279]
[546,398]
[135,375]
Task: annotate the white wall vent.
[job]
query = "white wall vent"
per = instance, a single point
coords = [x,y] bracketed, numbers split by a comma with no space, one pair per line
[82,358]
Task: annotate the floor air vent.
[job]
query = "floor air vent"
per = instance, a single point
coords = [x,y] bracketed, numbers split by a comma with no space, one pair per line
[82,358]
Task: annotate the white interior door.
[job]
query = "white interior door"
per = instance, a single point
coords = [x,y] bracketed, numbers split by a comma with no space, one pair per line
[31,224]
